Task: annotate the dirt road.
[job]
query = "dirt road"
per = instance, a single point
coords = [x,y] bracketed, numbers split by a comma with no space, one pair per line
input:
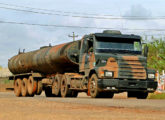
[81,108]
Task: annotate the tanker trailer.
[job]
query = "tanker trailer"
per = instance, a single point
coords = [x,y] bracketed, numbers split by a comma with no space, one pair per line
[100,64]
[30,68]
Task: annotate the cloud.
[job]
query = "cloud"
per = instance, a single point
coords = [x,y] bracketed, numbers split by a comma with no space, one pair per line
[138,10]
[13,37]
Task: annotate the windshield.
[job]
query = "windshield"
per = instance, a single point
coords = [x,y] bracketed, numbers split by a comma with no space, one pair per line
[118,45]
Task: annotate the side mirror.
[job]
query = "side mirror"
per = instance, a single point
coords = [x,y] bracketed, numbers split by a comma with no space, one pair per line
[146,51]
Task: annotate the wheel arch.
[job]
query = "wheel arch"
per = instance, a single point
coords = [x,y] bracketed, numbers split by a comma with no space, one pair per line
[93,71]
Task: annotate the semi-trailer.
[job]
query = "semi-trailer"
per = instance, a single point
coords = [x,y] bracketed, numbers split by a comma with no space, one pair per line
[100,64]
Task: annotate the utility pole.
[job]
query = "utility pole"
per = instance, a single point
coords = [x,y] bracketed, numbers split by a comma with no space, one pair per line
[73,36]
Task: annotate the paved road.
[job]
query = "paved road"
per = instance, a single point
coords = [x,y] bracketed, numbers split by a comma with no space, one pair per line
[83,108]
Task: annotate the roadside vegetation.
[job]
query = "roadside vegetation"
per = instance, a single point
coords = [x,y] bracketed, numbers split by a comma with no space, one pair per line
[156,55]
[156,96]
[156,60]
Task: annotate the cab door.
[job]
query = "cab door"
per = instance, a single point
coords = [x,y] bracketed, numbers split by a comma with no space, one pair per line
[83,55]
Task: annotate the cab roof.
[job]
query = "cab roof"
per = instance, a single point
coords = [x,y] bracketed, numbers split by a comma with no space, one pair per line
[118,36]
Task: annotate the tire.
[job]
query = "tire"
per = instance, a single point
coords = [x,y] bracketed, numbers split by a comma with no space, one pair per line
[132,94]
[57,86]
[93,86]
[48,92]
[39,88]
[142,95]
[17,87]
[106,95]
[24,86]
[65,92]
[32,86]
[74,94]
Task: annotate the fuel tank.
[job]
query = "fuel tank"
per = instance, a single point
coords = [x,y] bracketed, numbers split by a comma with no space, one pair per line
[47,60]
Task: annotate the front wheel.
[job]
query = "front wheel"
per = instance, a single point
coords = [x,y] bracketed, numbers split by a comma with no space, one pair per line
[142,95]
[93,86]
[138,95]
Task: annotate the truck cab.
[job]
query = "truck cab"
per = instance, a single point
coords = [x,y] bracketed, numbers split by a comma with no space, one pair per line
[114,63]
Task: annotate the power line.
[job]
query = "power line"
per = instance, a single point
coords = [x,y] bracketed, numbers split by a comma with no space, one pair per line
[95,17]
[58,11]
[53,10]
[70,26]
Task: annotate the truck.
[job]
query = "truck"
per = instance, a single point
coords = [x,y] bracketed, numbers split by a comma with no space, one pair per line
[100,64]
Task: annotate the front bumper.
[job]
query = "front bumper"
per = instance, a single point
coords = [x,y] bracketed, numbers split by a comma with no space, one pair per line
[127,85]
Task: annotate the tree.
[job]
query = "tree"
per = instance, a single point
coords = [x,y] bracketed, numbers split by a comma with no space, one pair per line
[156,55]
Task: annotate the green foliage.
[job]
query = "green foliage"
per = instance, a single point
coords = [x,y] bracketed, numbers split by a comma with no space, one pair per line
[156,55]
[0,67]
[156,96]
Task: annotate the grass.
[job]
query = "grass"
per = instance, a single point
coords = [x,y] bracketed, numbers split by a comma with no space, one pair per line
[5,81]
[156,96]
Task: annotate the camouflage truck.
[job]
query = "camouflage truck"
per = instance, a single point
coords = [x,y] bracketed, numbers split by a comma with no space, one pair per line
[100,64]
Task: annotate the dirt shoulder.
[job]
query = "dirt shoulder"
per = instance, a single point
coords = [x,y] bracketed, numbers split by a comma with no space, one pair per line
[41,108]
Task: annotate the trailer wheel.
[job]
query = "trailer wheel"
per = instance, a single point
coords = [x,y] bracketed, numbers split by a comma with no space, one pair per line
[32,86]
[65,92]
[56,86]
[93,86]
[48,92]
[142,95]
[24,89]
[39,88]
[17,87]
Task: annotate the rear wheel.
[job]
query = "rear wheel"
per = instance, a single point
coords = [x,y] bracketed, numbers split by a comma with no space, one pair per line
[39,88]
[93,86]
[56,86]
[65,92]
[24,85]
[17,87]
[32,86]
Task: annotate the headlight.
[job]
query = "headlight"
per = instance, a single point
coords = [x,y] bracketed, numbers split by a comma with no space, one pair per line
[151,76]
[108,74]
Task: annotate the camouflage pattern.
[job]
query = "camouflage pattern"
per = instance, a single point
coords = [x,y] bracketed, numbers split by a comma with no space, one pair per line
[47,60]
[129,67]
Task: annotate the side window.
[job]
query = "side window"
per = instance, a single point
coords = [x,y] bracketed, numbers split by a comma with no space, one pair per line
[86,45]
[90,46]
[137,46]
[83,45]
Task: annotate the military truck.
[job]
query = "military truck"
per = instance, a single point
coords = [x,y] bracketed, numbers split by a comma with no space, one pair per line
[100,64]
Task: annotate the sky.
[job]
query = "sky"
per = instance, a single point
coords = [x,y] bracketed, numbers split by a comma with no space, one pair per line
[14,37]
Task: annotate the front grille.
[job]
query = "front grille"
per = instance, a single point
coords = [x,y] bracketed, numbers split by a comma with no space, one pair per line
[132,68]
